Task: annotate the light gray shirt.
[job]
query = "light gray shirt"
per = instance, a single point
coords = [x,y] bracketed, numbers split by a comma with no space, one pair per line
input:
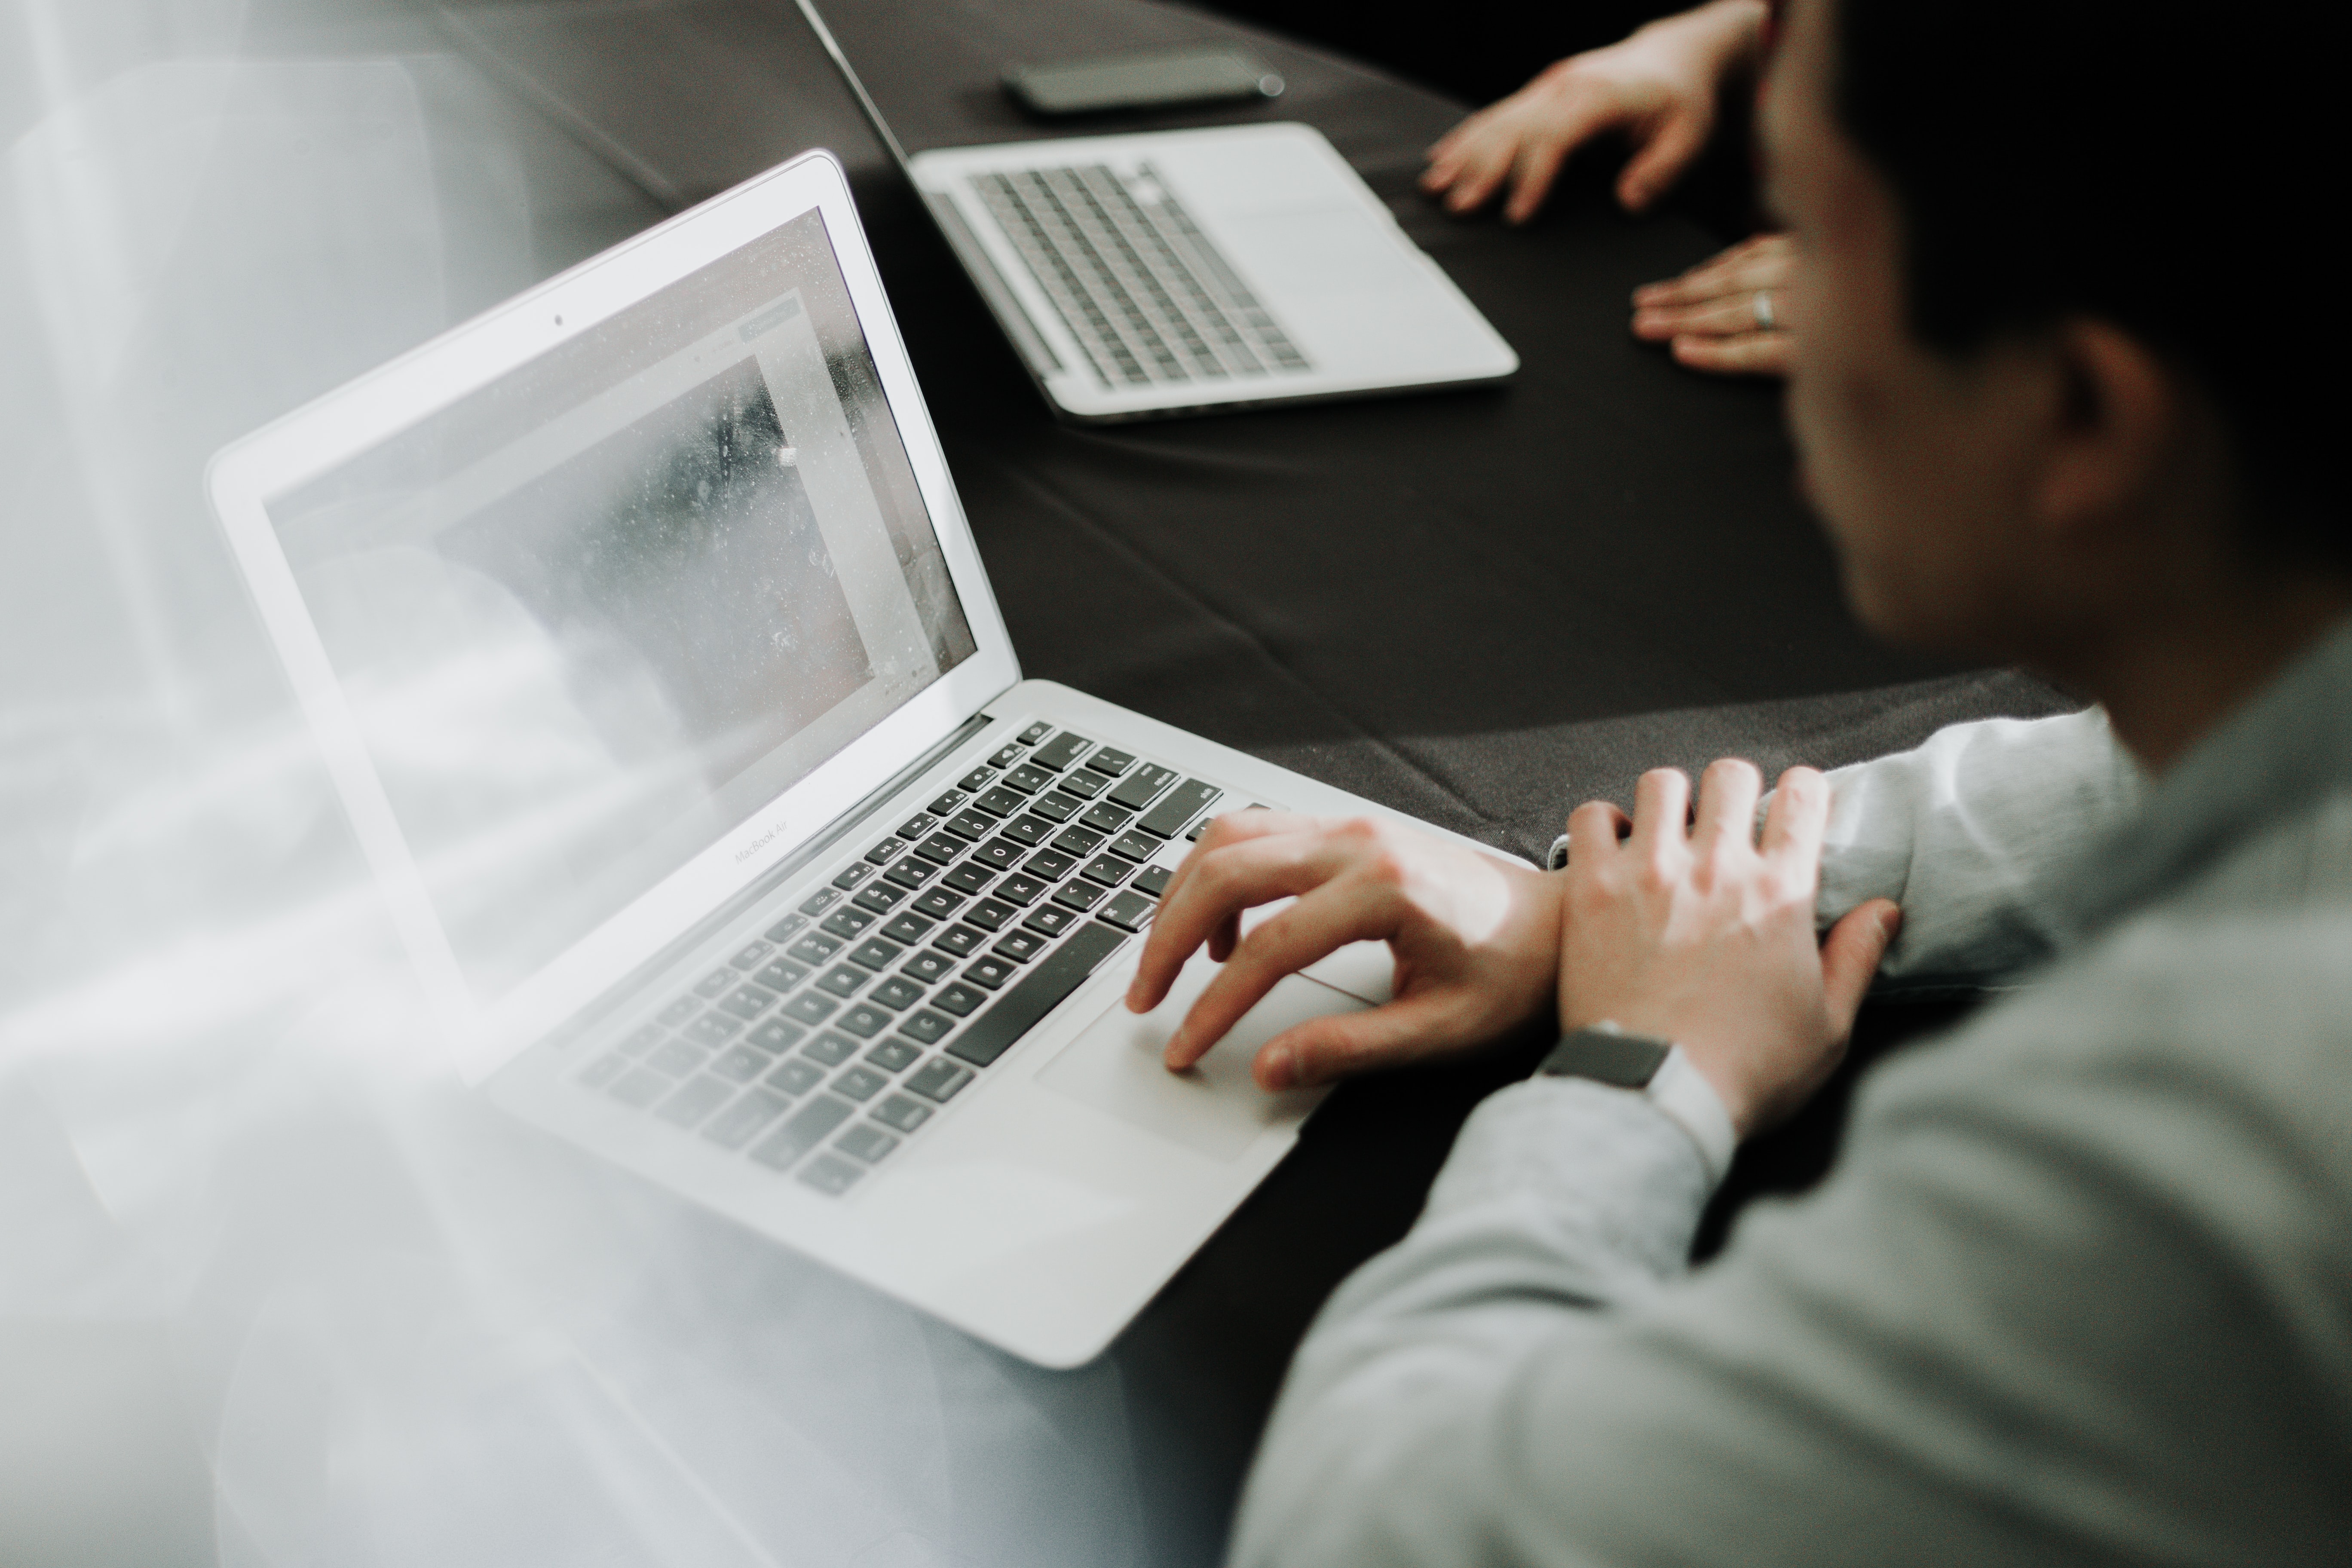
[2079,1289]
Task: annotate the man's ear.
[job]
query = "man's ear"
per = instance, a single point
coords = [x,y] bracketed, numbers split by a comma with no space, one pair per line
[2118,422]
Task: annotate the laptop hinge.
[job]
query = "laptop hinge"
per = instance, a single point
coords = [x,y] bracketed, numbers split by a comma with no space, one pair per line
[709,928]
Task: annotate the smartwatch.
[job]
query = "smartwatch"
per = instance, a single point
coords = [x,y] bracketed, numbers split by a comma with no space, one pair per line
[1661,1072]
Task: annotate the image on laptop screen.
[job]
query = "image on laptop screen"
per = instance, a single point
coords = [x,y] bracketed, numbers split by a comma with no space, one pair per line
[594,616]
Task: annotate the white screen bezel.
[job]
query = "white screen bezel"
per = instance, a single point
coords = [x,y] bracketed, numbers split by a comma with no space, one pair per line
[247,476]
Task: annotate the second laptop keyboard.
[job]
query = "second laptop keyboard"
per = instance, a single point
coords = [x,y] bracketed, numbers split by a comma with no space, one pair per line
[821,1044]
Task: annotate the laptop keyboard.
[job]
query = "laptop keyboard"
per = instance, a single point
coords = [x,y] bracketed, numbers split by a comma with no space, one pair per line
[824,1044]
[1143,290]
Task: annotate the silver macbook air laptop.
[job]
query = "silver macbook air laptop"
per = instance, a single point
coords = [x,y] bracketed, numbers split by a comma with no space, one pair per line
[1184,271]
[651,654]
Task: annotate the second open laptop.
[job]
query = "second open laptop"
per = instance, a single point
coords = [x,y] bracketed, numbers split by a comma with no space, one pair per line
[1186,271]
[652,656]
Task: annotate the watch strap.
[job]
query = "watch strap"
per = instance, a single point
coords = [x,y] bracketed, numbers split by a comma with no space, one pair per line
[1660,1071]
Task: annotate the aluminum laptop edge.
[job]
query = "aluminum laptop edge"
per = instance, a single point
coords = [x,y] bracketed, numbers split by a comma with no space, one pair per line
[1171,272]
[651,654]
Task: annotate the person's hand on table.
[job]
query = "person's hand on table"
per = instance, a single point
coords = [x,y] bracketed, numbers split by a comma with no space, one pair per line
[1658,88]
[1703,936]
[1474,940]
[1727,315]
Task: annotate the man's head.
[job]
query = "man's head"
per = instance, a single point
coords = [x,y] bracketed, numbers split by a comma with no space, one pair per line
[2037,398]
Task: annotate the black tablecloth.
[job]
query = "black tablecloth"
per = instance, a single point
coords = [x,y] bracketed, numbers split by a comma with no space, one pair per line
[1480,607]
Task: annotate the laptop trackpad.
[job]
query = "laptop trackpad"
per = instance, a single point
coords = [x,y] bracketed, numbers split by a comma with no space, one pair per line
[1214,1109]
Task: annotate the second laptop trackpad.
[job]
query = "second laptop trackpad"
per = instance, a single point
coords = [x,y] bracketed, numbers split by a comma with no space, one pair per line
[1214,1109]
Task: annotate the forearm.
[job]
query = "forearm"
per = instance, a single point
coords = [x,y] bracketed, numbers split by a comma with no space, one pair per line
[1562,1200]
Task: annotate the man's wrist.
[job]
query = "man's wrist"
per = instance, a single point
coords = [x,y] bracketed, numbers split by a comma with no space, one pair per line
[1660,1071]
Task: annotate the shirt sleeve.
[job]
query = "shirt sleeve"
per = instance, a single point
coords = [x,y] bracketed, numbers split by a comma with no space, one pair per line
[2021,1323]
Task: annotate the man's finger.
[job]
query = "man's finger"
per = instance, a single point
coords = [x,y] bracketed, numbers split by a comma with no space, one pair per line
[1531,176]
[1233,828]
[1318,924]
[1593,830]
[1338,1044]
[1727,795]
[1659,165]
[1850,957]
[1223,881]
[1750,353]
[1798,817]
[1725,316]
[1759,263]
[1661,809]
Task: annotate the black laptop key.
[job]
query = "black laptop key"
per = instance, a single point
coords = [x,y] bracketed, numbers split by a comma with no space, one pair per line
[847,924]
[1078,841]
[1061,751]
[893,1055]
[1104,817]
[928,966]
[889,850]
[781,974]
[749,957]
[1052,864]
[1020,888]
[1000,853]
[1182,803]
[914,826]
[865,1020]
[902,1113]
[990,914]
[1036,994]
[748,1002]
[874,953]
[960,999]
[1107,870]
[802,1131]
[1002,802]
[797,1076]
[969,878]
[831,1174]
[842,980]
[959,939]
[694,1100]
[814,948]
[1128,910]
[938,1080]
[938,902]
[809,1007]
[679,1011]
[640,1088]
[1110,761]
[866,1142]
[1153,880]
[785,928]
[733,1129]
[975,779]
[1023,945]
[1055,807]
[1036,732]
[1078,895]
[1135,845]
[908,929]
[1082,784]
[992,971]
[1051,919]
[879,898]
[1028,780]
[713,984]
[817,903]
[972,825]
[775,1034]
[941,847]
[851,875]
[1135,790]
[947,803]
[860,1083]
[1006,756]
[1028,829]
[740,1064]
[927,1027]
[830,1049]
[897,993]
[712,1029]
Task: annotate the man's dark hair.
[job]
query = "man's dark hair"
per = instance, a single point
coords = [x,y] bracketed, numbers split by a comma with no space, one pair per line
[2163,166]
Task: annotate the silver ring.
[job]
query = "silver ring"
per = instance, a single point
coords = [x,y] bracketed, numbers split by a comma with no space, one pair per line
[1765,319]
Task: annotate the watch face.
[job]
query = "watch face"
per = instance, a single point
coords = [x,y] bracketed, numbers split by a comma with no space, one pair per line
[1605,1055]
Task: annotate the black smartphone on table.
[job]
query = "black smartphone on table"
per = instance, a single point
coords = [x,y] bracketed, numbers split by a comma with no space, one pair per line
[1142,78]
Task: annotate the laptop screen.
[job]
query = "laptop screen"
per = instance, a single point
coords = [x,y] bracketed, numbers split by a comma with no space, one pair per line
[594,616]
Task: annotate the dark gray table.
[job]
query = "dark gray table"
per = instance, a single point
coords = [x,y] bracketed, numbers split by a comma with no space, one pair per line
[1479,607]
